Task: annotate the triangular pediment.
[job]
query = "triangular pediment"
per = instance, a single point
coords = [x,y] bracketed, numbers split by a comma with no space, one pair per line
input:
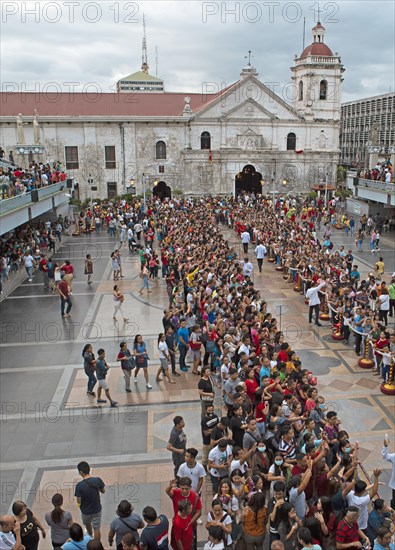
[249,109]
[247,98]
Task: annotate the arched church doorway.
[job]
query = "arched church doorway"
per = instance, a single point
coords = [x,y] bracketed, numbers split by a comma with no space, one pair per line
[162,191]
[248,180]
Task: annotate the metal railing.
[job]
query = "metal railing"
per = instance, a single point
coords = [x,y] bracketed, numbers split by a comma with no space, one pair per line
[51,189]
[377,185]
[13,203]
[8,205]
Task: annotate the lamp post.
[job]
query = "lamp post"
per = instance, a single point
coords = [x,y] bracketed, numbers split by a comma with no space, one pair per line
[273,183]
[326,190]
[144,182]
[90,181]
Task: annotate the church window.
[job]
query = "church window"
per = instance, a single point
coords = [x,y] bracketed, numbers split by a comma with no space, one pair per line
[109,153]
[160,150]
[291,142]
[71,157]
[323,89]
[205,140]
[300,90]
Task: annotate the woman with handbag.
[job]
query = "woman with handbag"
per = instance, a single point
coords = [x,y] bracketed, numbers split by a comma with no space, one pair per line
[128,363]
[206,389]
[164,358]
[89,368]
[57,278]
[126,522]
[141,358]
[88,268]
[118,299]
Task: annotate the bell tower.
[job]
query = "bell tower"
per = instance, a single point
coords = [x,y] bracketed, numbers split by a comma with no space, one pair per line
[317,79]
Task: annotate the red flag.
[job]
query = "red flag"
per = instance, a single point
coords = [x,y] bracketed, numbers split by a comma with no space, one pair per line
[299,152]
[210,156]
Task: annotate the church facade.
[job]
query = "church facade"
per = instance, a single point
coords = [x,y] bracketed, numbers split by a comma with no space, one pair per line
[242,137]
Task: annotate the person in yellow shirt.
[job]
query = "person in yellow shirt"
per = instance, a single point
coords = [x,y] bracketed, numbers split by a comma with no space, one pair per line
[380,266]
[191,274]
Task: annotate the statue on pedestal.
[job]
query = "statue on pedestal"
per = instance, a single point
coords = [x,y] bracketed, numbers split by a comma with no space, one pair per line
[36,129]
[20,132]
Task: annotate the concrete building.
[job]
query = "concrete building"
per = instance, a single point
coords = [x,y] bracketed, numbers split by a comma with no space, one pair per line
[242,137]
[367,131]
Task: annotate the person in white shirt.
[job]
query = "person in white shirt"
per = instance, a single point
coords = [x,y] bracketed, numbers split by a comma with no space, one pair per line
[193,469]
[361,497]
[29,263]
[219,461]
[10,534]
[314,302]
[260,253]
[247,268]
[215,538]
[389,457]
[245,239]
[164,358]
[137,229]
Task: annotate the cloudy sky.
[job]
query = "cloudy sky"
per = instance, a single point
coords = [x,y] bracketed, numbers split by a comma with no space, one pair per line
[88,45]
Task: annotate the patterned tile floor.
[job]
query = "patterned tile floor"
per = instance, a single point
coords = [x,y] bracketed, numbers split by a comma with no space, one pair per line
[49,423]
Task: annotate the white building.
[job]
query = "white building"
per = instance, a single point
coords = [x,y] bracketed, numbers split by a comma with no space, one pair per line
[244,135]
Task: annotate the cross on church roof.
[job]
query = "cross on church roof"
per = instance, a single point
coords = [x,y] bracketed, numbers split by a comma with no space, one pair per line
[316,8]
[248,57]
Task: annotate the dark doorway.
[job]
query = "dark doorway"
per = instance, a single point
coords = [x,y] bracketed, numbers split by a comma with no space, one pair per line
[111,189]
[162,191]
[248,180]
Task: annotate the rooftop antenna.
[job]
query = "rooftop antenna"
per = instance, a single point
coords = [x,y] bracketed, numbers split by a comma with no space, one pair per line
[156,60]
[304,32]
[248,57]
[144,60]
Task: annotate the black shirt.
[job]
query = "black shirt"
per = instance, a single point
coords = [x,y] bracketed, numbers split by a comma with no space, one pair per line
[88,490]
[208,423]
[206,386]
[29,533]
[238,433]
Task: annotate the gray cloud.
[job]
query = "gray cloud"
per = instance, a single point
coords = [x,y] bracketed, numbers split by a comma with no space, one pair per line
[198,41]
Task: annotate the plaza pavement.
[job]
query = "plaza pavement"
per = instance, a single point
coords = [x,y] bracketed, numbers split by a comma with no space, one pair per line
[49,423]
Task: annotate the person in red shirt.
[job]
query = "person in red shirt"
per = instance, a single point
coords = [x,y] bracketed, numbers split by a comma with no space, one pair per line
[65,298]
[182,492]
[42,266]
[68,271]
[182,530]
[251,385]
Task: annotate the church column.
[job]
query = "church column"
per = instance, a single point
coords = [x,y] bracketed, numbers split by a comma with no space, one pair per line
[274,134]
[223,124]
[308,137]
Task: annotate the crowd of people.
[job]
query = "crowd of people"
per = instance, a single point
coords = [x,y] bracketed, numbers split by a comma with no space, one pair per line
[15,180]
[277,462]
[382,171]
[27,246]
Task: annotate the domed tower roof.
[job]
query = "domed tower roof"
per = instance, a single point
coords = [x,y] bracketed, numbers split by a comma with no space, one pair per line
[317,47]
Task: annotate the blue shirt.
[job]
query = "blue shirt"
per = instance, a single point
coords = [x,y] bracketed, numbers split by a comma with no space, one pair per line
[184,334]
[265,371]
[101,369]
[81,545]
